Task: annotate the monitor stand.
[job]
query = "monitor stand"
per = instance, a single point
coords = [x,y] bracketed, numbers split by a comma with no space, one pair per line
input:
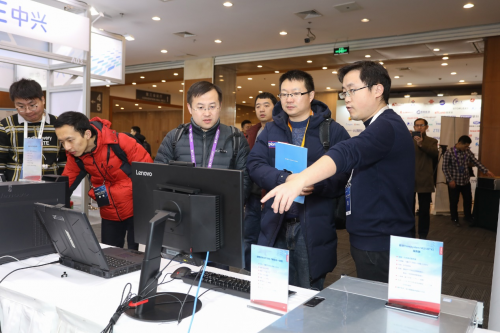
[167,306]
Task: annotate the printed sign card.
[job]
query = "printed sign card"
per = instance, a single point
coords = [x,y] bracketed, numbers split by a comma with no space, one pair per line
[415,274]
[269,279]
[32,159]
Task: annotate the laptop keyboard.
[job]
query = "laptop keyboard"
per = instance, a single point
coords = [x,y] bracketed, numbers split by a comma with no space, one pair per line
[115,262]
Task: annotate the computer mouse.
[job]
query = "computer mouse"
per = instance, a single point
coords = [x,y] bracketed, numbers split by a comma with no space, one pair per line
[180,272]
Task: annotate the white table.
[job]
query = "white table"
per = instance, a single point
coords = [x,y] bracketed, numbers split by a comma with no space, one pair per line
[39,300]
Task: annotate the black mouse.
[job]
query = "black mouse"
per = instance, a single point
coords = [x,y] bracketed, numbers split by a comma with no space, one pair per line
[180,272]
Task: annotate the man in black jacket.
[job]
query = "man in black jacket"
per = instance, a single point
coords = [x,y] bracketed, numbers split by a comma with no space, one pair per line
[211,143]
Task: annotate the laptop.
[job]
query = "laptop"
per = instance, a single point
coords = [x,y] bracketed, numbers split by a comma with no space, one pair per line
[77,245]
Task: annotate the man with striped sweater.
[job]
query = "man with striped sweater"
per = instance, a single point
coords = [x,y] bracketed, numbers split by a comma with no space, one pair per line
[32,120]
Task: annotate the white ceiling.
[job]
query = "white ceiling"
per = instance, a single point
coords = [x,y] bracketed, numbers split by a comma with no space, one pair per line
[254,25]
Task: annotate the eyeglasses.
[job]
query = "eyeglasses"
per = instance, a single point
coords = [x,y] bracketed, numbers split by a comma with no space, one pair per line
[419,125]
[350,92]
[31,107]
[201,108]
[294,94]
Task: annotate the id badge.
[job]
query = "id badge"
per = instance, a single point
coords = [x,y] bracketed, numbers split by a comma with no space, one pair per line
[348,200]
[101,196]
[461,169]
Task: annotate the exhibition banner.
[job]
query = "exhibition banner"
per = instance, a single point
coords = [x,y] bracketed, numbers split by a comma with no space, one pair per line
[415,274]
[269,278]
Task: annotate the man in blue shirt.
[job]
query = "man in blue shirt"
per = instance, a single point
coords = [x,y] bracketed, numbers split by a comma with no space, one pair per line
[381,161]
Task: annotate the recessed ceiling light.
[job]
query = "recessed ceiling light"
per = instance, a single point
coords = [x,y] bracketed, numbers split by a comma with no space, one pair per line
[117,104]
[163,80]
[440,95]
[239,87]
[221,75]
[309,61]
[227,4]
[283,33]
[154,85]
[143,77]
[461,81]
[156,18]
[453,73]
[273,84]
[137,105]
[163,51]
[277,72]
[444,64]
[249,79]
[409,83]
[122,108]
[134,83]
[218,41]
[140,108]
[325,68]
[250,96]
[381,62]
[159,107]
[334,72]
[365,20]
[469,5]
[436,50]
[407,96]
[181,90]
[107,85]
[175,74]
[328,88]
[260,91]
[368,56]
[243,102]
[182,83]
[446,58]
[396,77]
[221,80]
[129,37]
[260,66]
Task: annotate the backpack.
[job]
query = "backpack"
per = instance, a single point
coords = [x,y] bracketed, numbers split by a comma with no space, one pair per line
[147,146]
[235,134]
[339,202]
[125,167]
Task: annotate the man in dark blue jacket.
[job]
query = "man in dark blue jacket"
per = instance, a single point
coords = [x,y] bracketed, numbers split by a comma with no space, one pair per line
[307,230]
[381,161]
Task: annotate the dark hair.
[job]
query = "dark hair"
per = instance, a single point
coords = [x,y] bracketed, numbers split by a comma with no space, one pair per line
[465,139]
[371,73]
[244,122]
[201,88]
[136,129]
[25,89]
[265,95]
[296,75]
[76,119]
[425,121]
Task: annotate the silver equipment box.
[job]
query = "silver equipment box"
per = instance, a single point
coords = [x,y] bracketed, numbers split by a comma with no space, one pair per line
[355,305]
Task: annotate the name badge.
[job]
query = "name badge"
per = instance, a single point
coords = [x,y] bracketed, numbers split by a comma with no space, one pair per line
[348,200]
[101,196]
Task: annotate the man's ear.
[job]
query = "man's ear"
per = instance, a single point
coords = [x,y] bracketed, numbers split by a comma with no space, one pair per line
[311,96]
[379,92]
[88,134]
[189,108]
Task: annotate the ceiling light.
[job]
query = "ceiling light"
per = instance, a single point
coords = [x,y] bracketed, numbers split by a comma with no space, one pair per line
[277,72]
[368,56]
[328,88]
[227,4]
[175,74]
[249,79]
[273,84]
[381,62]
[407,96]
[140,108]
[365,20]
[159,107]
[325,68]
[461,81]
[107,85]
[218,41]
[453,73]
[283,33]
[250,96]
[181,90]
[467,6]
[101,29]
[155,18]
[117,104]
[143,77]
[260,91]
[446,58]
[309,61]
[409,83]
[440,95]
[239,87]
[182,83]
[163,80]
[163,51]
[444,64]
[221,75]
[93,11]
[137,105]
[334,72]
[154,85]
[243,102]
[221,80]
[396,77]
[260,66]
[436,50]
[129,37]
[134,83]
[122,108]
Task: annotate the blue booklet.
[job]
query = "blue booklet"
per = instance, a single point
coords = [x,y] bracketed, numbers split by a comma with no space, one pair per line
[291,158]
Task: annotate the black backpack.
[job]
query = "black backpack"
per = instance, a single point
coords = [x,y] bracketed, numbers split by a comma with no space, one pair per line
[339,206]
[235,135]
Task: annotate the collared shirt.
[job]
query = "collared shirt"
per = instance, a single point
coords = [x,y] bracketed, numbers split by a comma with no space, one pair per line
[452,164]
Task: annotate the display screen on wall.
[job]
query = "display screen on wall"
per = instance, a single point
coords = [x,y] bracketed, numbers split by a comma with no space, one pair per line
[107,57]
[152,96]
[96,101]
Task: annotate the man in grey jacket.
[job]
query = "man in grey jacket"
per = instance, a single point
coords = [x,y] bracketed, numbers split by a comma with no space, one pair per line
[205,141]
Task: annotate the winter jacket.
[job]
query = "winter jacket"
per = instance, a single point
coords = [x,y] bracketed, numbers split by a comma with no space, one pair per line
[203,142]
[316,217]
[252,134]
[118,184]
[425,160]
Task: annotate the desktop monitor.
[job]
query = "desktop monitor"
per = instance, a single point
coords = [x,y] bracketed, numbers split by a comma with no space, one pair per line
[22,235]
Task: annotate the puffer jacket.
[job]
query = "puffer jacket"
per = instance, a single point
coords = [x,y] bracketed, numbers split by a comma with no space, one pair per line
[118,184]
[203,142]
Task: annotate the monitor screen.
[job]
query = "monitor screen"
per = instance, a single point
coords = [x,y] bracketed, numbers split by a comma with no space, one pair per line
[22,235]
[208,204]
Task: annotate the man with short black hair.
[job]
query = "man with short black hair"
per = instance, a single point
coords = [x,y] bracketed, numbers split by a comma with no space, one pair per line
[381,161]
[306,230]
[90,151]
[456,170]
[426,153]
[134,130]
[32,120]
[245,126]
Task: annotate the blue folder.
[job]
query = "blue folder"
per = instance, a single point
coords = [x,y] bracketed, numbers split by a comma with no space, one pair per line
[291,158]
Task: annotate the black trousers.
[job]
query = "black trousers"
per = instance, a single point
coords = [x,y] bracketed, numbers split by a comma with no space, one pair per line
[371,265]
[424,214]
[454,195]
[113,233]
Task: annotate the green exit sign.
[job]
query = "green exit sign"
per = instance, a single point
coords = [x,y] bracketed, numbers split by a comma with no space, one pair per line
[340,50]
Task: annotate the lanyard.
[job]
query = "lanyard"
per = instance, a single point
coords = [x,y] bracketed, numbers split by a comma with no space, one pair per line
[456,157]
[40,133]
[191,146]
[304,137]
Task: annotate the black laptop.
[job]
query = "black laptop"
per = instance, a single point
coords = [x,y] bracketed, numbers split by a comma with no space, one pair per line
[75,241]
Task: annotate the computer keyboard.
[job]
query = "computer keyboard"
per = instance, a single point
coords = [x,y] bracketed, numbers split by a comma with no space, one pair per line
[223,283]
[115,262]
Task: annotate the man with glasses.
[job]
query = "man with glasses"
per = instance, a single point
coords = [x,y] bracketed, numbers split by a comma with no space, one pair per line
[31,121]
[381,164]
[426,154]
[306,230]
[205,141]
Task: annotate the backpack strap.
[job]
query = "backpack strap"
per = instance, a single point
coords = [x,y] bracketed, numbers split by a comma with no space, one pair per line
[236,135]
[324,133]
[178,133]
